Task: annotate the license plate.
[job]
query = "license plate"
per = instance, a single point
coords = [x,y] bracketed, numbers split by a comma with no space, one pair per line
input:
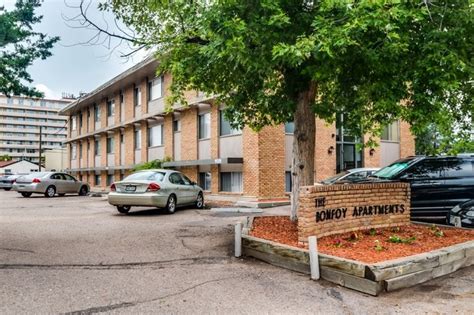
[456,221]
[22,186]
[130,188]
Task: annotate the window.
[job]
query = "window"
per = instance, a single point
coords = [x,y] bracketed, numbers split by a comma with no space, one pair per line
[97,180]
[155,136]
[73,123]
[176,179]
[154,88]
[80,121]
[290,127]
[110,108]
[429,168]
[7,170]
[110,145]
[121,138]
[110,179]
[205,180]
[231,181]
[456,167]
[225,127]
[137,96]
[121,97]
[96,113]
[204,126]
[97,147]
[390,132]
[137,136]
[9,101]
[73,151]
[176,125]
[288,181]
[80,150]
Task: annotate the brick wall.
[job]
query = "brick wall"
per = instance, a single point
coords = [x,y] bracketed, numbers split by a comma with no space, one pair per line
[168,136]
[372,160]
[129,146]
[189,126]
[407,140]
[128,98]
[324,162]
[351,207]
[264,162]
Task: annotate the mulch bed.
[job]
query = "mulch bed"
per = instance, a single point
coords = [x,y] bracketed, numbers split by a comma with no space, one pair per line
[369,246]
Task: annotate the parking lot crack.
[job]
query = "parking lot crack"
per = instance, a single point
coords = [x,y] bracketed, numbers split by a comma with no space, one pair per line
[17,250]
[106,308]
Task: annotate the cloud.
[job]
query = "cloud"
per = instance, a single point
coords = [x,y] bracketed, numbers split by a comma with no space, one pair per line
[48,93]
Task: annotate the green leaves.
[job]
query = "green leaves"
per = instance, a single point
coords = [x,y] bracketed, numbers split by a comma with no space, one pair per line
[20,46]
[376,61]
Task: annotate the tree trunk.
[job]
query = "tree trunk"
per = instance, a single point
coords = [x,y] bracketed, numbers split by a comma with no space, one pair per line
[302,168]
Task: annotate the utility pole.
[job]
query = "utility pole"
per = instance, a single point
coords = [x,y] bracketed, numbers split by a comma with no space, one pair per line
[41,136]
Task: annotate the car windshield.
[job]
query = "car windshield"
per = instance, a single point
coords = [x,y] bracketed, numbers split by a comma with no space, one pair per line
[334,178]
[155,176]
[392,170]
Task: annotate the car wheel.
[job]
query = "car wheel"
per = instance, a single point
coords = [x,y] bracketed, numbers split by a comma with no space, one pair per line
[83,191]
[7,189]
[26,194]
[61,195]
[123,209]
[50,191]
[200,201]
[171,204]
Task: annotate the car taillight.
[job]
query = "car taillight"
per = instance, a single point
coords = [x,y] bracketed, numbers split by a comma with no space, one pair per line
[36,180]
[153,187]
[112,187]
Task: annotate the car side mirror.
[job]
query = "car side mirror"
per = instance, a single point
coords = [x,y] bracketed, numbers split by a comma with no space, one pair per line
[193,183]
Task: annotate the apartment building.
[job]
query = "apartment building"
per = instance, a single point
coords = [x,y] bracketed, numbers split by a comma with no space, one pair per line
[124,122]
[20,121]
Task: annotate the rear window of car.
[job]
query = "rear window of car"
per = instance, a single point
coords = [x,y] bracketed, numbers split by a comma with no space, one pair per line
[35,175]
[155,176]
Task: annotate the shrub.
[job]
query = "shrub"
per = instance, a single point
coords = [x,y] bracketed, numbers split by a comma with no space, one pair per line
[151,164]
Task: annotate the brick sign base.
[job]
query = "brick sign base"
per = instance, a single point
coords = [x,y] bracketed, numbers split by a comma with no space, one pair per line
[333,209]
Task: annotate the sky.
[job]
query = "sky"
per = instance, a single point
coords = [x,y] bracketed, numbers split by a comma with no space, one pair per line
[74,67]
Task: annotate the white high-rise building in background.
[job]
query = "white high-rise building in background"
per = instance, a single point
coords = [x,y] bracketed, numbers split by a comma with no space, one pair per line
[20,121]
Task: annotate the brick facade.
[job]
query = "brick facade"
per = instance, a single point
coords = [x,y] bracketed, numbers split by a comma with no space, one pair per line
[263,153]
[326,210]
[325,150]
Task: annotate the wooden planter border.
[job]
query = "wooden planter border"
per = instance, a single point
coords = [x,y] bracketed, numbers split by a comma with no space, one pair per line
[368,278]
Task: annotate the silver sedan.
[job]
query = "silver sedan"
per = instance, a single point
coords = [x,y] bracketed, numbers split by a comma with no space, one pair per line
[155,188]
[49,184]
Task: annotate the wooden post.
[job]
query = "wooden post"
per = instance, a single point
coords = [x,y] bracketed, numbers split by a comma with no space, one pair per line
[238,240]
[313,257]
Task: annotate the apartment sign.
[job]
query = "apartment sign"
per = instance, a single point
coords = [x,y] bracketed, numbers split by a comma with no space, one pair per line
[332,209]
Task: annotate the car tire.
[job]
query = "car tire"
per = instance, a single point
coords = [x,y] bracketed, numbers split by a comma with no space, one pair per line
[123,209]
[26,194]
[50,192]
[83,191]
[7,189]
[171,204]
[61,195]
[200,201]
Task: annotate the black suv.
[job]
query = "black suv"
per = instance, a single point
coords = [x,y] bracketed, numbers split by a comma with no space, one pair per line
[437,183]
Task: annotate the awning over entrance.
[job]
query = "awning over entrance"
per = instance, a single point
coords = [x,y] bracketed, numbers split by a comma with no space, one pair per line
[229,160]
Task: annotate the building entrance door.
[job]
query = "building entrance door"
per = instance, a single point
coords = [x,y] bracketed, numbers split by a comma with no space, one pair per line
[348,147]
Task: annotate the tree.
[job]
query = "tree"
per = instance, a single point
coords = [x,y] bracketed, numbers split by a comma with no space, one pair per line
[20,46]
[5,157]
[274,61]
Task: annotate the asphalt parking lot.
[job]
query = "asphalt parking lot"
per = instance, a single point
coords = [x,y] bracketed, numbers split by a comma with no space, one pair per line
[77,255]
